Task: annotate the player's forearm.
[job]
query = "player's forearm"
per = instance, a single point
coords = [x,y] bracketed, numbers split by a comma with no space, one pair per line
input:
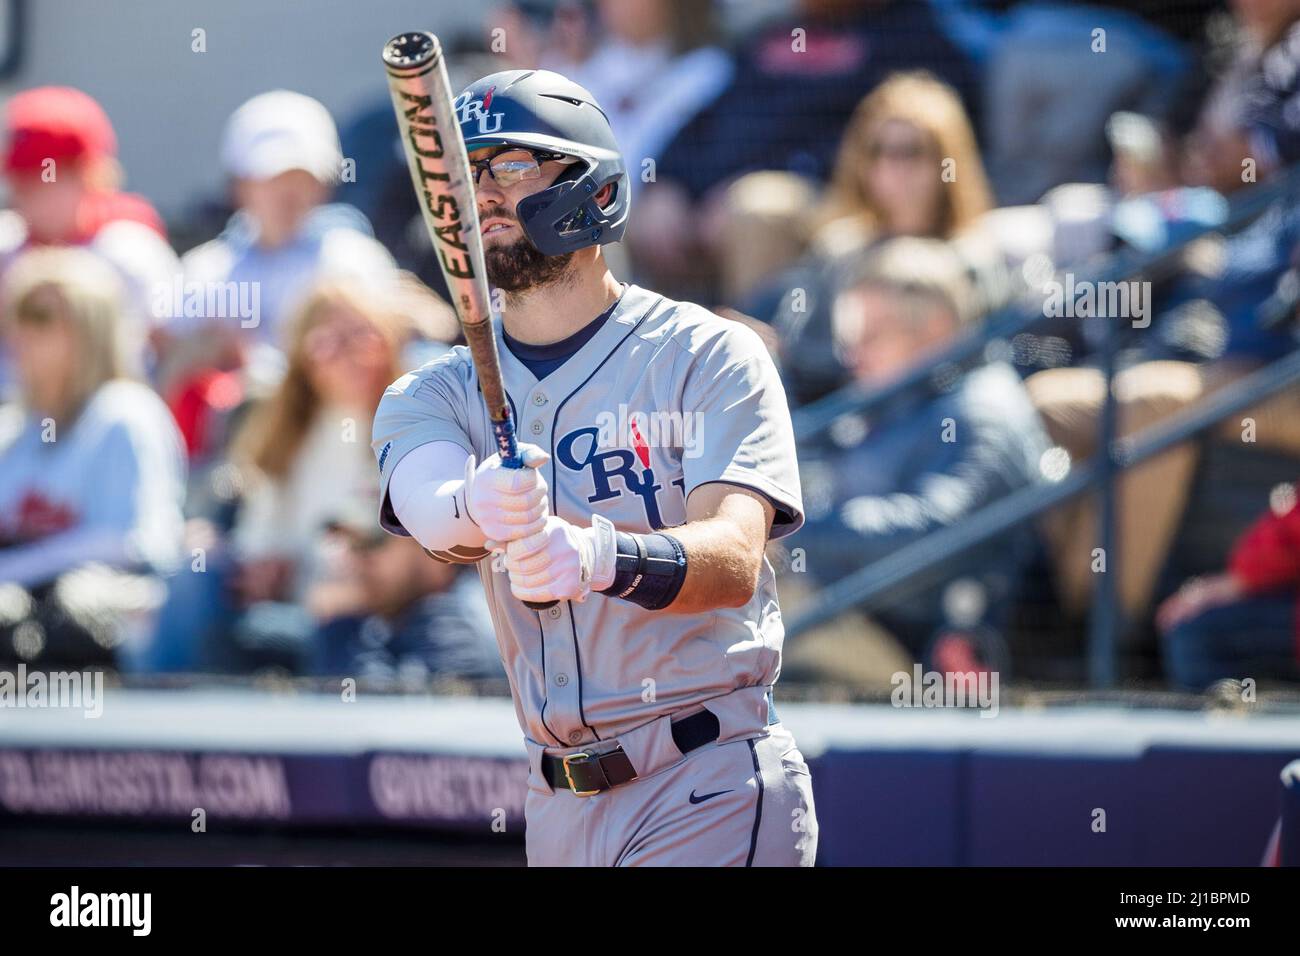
[722,566]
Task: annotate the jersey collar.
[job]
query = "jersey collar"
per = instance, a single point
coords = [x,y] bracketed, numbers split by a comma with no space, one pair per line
[633,306]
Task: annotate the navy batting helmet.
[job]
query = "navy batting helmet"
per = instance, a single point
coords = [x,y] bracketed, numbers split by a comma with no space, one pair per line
[544,110]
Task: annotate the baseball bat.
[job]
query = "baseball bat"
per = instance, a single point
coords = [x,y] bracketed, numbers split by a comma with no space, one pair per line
[440,172]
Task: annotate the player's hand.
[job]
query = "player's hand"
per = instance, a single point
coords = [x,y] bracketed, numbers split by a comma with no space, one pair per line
[507,503]
[562,562]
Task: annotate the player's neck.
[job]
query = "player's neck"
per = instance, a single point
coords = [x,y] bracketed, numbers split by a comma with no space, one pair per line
[553,312]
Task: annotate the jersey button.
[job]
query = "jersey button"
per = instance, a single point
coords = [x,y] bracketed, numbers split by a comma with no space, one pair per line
[575,737]
[561,680]
[554,612]
[539,399]
[536,428]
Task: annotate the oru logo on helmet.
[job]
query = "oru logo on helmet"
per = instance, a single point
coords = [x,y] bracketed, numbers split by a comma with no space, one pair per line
[470,110]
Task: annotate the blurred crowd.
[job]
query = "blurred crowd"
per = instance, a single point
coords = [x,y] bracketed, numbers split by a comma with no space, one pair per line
[186,482]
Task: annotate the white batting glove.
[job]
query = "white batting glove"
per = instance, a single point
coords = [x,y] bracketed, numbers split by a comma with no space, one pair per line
[507,503]
[562,562]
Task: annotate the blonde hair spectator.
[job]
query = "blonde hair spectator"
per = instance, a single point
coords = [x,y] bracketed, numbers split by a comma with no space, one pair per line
[276,429]
[935,112]
[76,287]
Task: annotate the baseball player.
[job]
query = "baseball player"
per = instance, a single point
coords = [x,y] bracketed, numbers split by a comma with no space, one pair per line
[659,460]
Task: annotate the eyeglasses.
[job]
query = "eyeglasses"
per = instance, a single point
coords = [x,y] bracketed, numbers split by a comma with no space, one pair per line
[327,341]
[514,165]
[903,151]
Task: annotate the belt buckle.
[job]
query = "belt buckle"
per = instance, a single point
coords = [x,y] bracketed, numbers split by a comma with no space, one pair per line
[568,775]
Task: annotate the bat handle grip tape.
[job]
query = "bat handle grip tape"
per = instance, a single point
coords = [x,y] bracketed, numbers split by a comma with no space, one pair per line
[508,448]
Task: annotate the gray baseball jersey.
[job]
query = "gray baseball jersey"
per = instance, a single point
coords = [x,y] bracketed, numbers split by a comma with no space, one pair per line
[665,397]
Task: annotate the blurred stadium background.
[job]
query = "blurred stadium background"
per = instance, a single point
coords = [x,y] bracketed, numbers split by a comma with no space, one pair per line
[1030,271]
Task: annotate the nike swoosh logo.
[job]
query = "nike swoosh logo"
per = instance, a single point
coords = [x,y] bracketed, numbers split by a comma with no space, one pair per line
[706,796]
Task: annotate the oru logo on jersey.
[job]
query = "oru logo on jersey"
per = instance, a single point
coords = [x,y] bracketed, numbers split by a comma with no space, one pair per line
[615,472]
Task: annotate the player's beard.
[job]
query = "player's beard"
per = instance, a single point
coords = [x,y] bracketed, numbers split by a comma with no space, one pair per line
[520,266]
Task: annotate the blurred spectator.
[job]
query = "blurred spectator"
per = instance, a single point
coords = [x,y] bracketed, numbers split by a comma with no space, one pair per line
[1058,71]
[1145,155]
[796,82]
[304,456]
[554,35]
[393,615]
[61,167]
[1152,209]
[657,66]
[91,470]
[282,153]
[1253,111]
[928,461]
[1243,622]
[760,228]
[907,166]
[1248,131]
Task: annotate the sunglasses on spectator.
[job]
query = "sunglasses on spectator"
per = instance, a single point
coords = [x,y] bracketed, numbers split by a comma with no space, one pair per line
[326,341]
[515,165]
[907,151]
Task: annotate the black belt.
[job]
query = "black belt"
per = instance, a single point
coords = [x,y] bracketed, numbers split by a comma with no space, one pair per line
[586,773]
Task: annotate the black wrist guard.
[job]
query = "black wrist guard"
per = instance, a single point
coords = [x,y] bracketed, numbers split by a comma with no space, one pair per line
[649,569]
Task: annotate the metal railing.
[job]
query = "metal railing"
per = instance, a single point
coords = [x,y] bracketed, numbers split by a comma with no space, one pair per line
[919,564]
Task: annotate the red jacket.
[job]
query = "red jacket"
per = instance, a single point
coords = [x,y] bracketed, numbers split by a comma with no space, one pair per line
[1267,556]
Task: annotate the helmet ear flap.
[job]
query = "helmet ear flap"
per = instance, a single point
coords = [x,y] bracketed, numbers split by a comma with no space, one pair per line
[577,221]
[565,216]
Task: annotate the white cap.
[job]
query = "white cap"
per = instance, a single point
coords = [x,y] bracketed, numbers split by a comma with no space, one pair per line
[278,131]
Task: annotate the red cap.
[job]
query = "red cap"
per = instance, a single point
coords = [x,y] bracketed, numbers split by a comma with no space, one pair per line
[55,122]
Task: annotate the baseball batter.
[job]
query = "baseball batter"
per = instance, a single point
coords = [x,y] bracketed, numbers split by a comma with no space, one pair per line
[659,460]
